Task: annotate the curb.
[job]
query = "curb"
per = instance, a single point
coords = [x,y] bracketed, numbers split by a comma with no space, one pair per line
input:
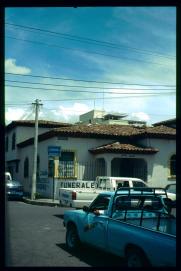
[41,203]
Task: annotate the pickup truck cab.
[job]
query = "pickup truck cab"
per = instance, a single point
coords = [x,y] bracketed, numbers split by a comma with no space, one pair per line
[78,198]
[130,223]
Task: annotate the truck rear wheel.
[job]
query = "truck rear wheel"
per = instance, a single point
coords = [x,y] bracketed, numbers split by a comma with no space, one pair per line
[136,258]
[72,238]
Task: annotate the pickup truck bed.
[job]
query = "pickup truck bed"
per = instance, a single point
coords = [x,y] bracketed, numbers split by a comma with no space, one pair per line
[150,221]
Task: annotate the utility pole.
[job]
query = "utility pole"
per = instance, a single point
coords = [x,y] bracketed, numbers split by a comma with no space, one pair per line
[36,104]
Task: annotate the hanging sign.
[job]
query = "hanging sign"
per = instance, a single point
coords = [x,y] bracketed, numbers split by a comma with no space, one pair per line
[54,150]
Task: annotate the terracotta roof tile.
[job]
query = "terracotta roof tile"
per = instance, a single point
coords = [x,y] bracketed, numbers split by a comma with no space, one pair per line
[41,123]
[161,131]
[99,129]
[106,131]
[118,147]
[117,130]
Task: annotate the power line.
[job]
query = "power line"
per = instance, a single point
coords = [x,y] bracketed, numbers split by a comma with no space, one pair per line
[88,40]
[77,86]
[83,99]
[84,91]
[86,51]
[88,81]
[74,110]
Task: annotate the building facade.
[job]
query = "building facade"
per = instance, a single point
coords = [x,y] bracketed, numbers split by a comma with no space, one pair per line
[91,150]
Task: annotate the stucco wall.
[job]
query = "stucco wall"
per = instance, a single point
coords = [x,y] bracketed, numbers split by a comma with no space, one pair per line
[158,164]
[79,145]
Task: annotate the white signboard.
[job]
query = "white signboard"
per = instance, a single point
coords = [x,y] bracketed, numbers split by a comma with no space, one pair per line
[77,184]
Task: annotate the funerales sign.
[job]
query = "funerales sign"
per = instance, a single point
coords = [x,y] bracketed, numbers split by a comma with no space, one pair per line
[77,184]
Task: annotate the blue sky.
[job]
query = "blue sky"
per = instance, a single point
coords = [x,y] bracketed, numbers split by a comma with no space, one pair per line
[132,48]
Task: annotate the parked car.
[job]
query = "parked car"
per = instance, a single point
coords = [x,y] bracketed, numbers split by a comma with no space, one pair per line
[14,189]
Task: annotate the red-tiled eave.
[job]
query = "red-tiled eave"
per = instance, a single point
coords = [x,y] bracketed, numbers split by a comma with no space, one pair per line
[118,147]
[31,123]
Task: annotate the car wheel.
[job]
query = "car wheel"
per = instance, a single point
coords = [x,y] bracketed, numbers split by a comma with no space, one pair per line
[136,258]
[72,238]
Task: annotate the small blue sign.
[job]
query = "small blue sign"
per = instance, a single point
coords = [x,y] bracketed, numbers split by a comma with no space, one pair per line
[54,150]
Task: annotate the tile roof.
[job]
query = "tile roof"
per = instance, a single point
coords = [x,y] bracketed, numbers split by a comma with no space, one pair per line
[106,131]
[31,123]
[118,147]
[116,130]
[99,129]
[161,131]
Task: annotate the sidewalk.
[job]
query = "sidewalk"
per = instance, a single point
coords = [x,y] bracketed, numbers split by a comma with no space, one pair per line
[42,202]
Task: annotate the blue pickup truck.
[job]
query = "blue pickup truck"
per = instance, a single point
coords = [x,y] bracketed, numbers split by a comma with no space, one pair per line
[131,223]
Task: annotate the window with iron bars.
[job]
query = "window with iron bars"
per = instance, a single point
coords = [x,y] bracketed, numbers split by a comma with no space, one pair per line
[67,164]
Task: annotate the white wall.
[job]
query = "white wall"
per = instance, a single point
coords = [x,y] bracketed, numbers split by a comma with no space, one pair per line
[158,164]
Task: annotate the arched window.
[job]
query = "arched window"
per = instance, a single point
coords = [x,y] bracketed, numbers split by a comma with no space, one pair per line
[173,165]
[7,143]
[13,141]
[26,168]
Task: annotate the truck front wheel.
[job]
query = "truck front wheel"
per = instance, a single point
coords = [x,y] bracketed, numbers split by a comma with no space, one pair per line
[136,258]
[72,238]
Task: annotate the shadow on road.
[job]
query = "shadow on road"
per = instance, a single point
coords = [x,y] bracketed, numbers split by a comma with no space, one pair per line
[95,257]
[59,216]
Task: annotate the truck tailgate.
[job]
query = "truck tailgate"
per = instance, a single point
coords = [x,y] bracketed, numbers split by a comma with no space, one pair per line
[76,198]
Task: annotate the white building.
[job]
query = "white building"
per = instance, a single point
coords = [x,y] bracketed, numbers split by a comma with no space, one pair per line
[101,117]
[90,150]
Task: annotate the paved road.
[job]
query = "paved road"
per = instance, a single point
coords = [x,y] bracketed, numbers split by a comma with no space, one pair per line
[37,238]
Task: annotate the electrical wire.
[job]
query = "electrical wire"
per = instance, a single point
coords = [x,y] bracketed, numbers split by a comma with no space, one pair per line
[47,108]
[86,51]
[88,40]
[87,81]
[77,86]
[83,99]
[83,91]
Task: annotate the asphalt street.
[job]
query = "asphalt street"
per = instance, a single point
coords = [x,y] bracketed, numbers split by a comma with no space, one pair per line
[35,236]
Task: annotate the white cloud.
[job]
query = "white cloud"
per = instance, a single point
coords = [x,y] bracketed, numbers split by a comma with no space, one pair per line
[11,67]
[140,116]
[65,113]
[76,110]
[14,114]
